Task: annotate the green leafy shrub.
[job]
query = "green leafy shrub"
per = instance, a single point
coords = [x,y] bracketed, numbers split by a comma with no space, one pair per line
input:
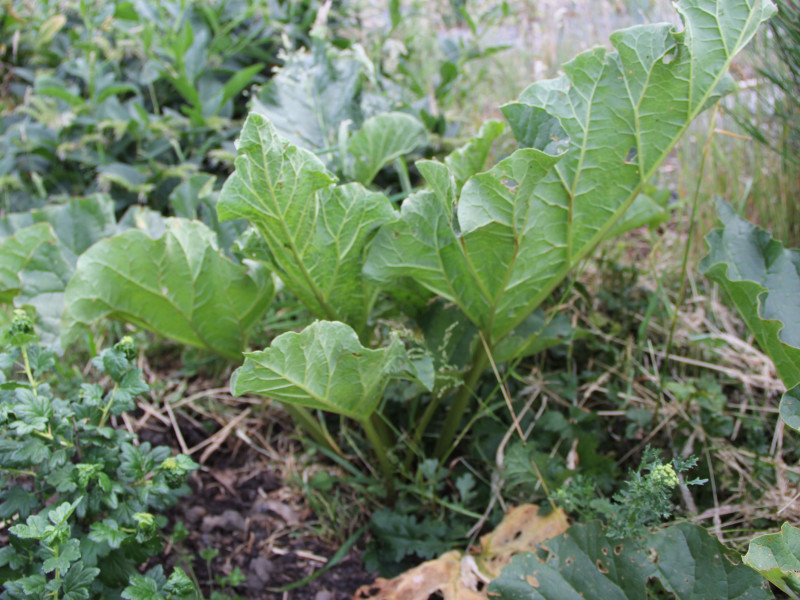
[81,501]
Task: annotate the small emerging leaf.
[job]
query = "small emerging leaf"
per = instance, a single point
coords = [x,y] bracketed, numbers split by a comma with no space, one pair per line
[382,139]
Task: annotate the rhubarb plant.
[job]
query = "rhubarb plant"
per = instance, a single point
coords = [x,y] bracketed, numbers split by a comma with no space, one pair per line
[495,243]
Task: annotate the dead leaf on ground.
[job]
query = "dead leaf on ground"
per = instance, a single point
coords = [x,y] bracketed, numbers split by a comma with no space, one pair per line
[438,578]
[454,576]
[521,530]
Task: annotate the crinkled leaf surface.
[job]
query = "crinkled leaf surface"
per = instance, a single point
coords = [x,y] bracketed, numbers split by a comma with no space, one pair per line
[763,280]
[521,227]
[324,366]
[34,271]
[777,557]
[179,286]
[583,564]
[467,267]
[316,232]
[382,139]
[311,95]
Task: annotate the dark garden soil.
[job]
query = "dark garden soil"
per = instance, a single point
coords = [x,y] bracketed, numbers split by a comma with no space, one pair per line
[242,506]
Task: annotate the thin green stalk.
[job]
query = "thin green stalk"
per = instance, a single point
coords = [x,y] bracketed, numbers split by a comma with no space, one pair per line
[306,421]
[382,454]
[420,428]
[107,407]
[459,406]
[402,174]
[28,372]
[685,259]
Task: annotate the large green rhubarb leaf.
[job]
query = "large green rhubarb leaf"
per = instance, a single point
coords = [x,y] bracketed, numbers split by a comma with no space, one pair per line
[583,564]
[763,280]
[595,137]
[35,271]
[316,232]
[180,286]
[325,367]
[777,557]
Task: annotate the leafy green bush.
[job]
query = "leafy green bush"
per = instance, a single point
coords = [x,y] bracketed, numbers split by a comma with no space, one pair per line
[80,500]
[124,97]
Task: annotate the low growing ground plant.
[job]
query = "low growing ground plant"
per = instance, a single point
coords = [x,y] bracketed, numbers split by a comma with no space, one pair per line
[81,501]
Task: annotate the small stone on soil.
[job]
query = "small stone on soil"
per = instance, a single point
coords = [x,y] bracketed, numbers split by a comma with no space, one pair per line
[229,520]
[259,572]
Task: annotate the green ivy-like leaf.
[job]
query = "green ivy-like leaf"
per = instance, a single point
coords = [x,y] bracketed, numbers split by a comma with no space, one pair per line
[316,232]
[108,531]
[522,227]
[77,582]
[179,286]
[777,557]
[142,588]
[762,279]
[583,564]
[324,366]
[382,139]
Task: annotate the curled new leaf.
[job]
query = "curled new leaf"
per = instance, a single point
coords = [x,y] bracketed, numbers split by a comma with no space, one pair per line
[762,279]
[179,286]
[324,366]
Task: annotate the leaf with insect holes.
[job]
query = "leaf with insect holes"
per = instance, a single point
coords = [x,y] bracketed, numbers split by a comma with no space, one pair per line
[762,279]
[179,286]
[684,559]
[592,140]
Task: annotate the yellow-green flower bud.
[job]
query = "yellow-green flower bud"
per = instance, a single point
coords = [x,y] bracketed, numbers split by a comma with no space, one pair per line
[664,475]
